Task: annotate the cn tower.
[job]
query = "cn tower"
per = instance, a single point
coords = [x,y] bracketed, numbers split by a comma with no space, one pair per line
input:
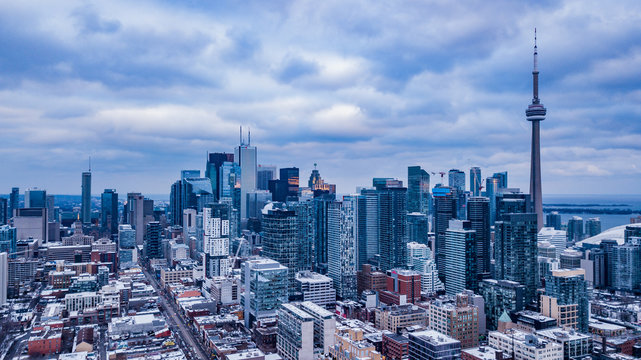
[535,113]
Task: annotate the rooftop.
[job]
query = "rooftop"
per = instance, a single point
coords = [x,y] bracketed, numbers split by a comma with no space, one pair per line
[434,337]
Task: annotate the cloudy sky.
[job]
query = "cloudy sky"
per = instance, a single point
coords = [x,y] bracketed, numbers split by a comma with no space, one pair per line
[363,88]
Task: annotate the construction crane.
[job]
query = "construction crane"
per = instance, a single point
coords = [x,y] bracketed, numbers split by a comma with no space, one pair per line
[233,260]
[442,175]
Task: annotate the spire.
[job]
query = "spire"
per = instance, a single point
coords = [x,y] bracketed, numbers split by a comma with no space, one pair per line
[249,137]
[90,164]
[241,135]
[535,74]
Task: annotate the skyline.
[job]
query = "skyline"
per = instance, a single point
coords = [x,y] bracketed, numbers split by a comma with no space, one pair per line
[318,83]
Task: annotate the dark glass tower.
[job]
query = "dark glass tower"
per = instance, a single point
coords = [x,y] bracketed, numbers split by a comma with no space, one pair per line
[478,213]
[475,181]
[291,175]
[85,210]
[280,241]
[535,114]
[212,170]
[14,201]
[444,211]
[109,211]
[418,190]
[153,241]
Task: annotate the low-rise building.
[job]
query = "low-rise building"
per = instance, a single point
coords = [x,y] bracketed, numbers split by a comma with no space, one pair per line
[525,346]
[575,345]
[457,318]
[432,345]
[395,317]
[316,288]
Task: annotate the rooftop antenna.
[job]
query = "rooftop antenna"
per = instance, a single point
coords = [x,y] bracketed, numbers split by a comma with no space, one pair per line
[249,137]
[241,135]
[314,166]
[90,164]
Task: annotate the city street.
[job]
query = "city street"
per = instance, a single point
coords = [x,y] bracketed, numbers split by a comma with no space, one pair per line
[186,337]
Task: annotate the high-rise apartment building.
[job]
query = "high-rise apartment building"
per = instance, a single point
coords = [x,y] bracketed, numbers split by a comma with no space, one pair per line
[216,228]
[4,277]
[14,201]
[321,205]
[501,296]
[593,227]
[491,191]
[392,228]
[342,246]
[369,216]
[418,226]
[460,257]
[457,318]
[553,220]
[566,298]
[478,214]
[418,190]
[516,251]
[4,211]
[295,333]
[8,239]
[575,229]
[444,211]
[153,242]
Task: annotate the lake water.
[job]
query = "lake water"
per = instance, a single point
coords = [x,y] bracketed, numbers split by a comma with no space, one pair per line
[632,202]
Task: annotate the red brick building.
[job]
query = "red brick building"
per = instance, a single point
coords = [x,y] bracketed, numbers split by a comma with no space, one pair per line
[370,279]
[395,347]
[45,342]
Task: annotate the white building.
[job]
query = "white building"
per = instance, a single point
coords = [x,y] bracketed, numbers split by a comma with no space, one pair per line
[554,237]
[324,326]
[316,288]
[342,235]
[295,339]
[245,157]
[83,300]
[216,225]
[421,260]
[525,346]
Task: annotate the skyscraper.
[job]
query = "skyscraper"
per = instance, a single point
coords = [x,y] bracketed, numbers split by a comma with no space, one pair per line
[4,277]
[575,229]
[418,226]
[491,191]
[14,201]
[478,213]
[245,156]
[85,210]
[212,170]
[321,205]
[418,190]
[392,220]
[444,211]
[553,220]
[456,179]
[342,246]
[475,181]
[371,225]
[502,176]
[109,210]
[535,113]
[593,226]
[266,288]
[461,258]
[516,251]
[4,211]
[567,299]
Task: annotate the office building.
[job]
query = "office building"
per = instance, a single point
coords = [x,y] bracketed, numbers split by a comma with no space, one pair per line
[265,173]
[570,259]
[502,176]
[392,228]
[85,210]
[457,318]
[624,262]
[593,227]
[212,170]
[516,251]
[475,181]
[444,211]
[292,177]
[316,288]
[553,220]
[153,243]
[35,198]
[418,190]
[342,246]
[566,298]
[432,345]
[461,258]
[501,296]
[395,346]
[456,179]
[109,211]
[511,202]
[478,214]
[321,205]
[256,201]
[266,288]
[216,228]
[280,241]
[245,156]
[316,183]
[31,223]
[14,201]
[402,287]
[4,277]
[575,229]
[190,192]
[138,212]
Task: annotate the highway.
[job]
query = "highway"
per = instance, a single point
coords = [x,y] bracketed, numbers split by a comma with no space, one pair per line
[195,349]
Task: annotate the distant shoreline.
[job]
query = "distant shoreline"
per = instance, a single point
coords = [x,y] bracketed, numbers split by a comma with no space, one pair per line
[578,210]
